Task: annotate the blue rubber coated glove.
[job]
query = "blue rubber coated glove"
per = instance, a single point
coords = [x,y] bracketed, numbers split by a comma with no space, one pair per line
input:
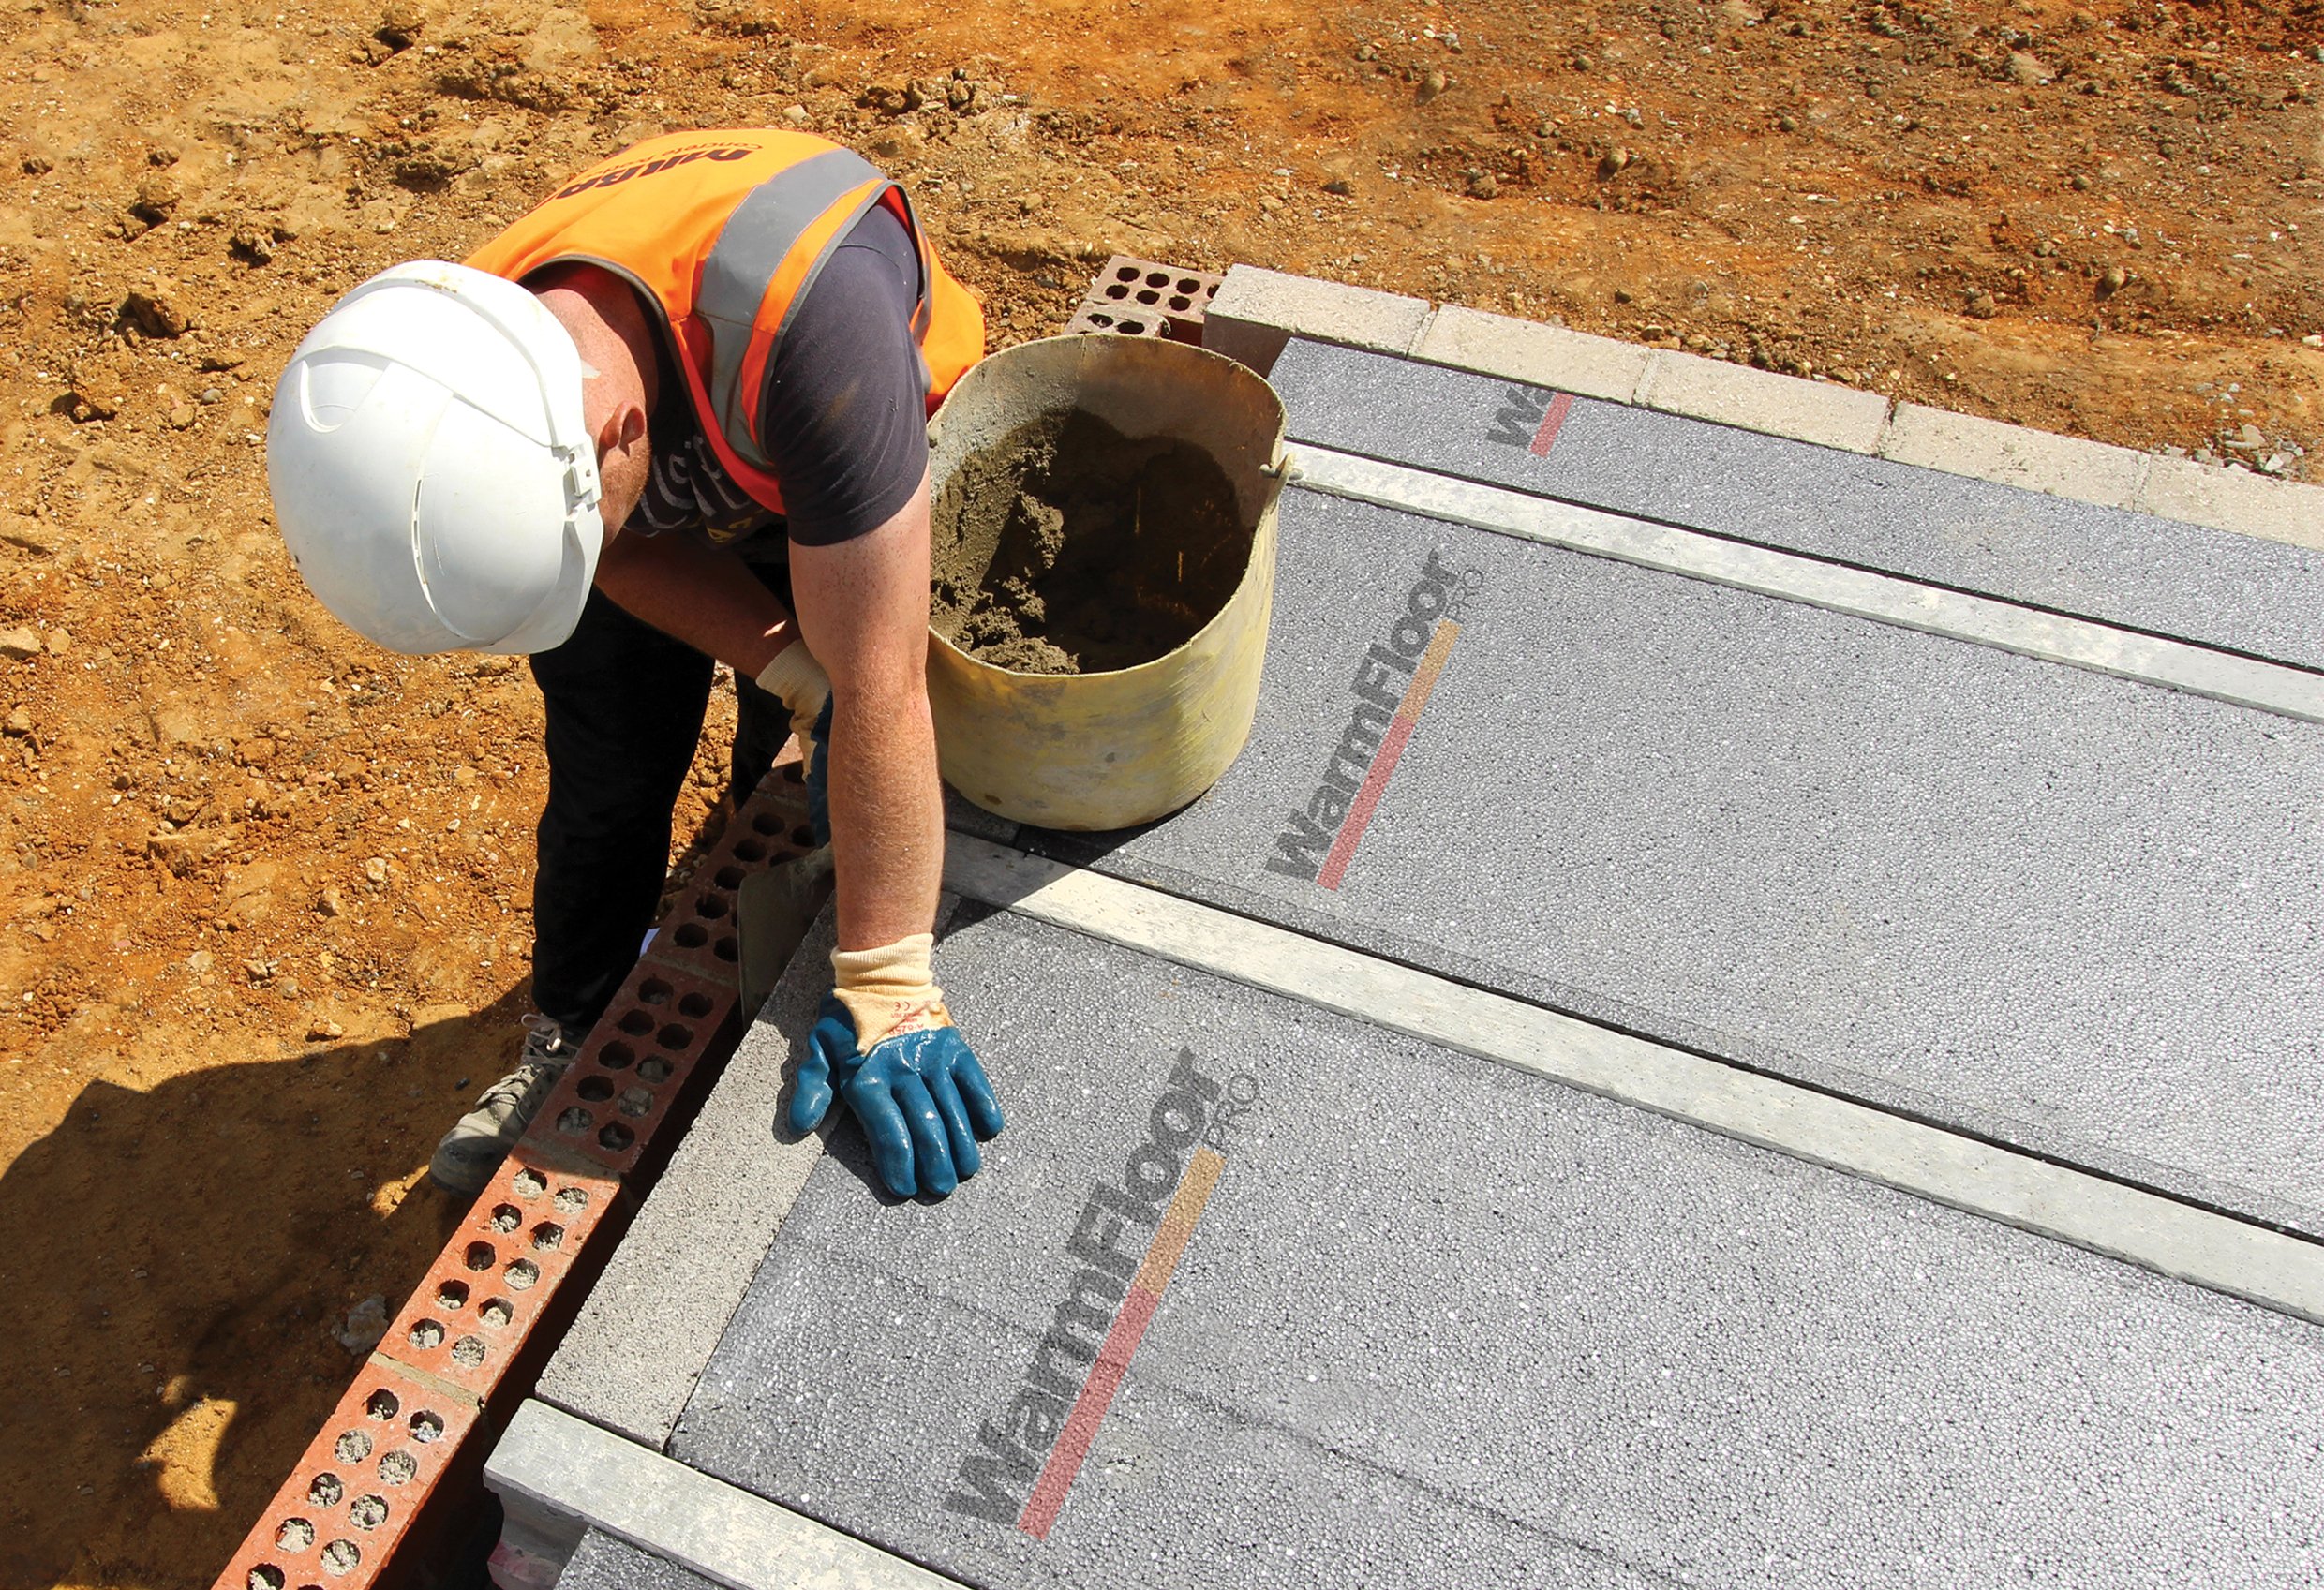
[921,1097]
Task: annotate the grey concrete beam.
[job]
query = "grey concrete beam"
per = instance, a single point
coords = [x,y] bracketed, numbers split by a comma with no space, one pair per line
[1882,598]
[548,1462]
[629,1360]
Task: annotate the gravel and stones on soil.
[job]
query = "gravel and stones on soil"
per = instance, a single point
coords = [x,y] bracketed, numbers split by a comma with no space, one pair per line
[1069,548]
[262,888]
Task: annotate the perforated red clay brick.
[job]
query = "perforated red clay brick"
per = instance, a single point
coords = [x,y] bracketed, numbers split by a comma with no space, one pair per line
[698,935]
[772,825]
[498,1275]
[1137,297]
[618,1090]
[352,1497]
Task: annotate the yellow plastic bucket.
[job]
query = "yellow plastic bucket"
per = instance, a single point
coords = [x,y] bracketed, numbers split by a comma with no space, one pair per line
[1113,750]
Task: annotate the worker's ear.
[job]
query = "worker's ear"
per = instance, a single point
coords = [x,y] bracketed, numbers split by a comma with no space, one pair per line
[623,429]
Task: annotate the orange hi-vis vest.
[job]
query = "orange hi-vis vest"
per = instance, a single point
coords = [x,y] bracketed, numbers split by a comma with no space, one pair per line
[725,232]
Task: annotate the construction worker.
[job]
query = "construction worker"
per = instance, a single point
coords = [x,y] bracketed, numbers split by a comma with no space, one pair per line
[684,398]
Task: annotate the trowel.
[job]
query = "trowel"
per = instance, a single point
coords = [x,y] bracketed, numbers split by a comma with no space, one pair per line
[773,910]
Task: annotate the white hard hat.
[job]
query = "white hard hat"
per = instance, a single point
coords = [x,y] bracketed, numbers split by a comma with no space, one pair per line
[430,465]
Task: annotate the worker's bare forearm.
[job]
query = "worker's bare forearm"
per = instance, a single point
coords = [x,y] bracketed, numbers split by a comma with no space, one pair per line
[702,595]
[863,610]
[886,816]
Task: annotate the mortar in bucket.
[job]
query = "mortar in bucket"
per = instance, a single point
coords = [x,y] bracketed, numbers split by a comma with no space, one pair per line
[1073,527]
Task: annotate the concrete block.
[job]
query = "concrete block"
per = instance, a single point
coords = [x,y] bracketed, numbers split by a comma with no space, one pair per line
[1539,355]
[1823,412]
[1258,311]
[2014,455]
[2234,499]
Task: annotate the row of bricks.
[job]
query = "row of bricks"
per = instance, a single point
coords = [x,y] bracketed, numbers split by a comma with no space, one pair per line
[516,1260]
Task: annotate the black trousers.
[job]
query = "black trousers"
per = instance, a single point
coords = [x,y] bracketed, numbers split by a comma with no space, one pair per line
[625,706]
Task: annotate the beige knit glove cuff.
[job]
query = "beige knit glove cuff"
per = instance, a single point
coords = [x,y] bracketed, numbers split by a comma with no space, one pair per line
[799,682]
[889,989]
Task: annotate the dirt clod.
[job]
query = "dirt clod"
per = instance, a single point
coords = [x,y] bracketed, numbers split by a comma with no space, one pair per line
[157,314]
[1069,548]
[2027,71]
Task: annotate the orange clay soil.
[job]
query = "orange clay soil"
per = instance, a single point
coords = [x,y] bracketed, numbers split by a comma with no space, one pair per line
[262,888]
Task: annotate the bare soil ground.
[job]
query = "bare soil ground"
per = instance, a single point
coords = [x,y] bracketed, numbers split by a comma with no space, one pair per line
[262,889]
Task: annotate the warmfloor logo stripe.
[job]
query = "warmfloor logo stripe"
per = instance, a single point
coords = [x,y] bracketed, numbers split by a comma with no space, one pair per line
[1391,747]
[1113,1359]
[1546,438]
[1320,836]
[1529,417]
[1026,1457]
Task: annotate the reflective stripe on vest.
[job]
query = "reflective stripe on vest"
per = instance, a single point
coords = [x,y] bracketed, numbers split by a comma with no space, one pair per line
[797,217]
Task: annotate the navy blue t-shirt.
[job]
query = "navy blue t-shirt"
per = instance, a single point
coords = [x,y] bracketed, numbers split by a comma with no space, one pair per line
[844,417]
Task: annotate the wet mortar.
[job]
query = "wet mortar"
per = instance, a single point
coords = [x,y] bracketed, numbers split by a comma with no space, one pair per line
[1066,547]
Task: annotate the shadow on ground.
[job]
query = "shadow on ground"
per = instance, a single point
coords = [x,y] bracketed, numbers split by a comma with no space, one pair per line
[174,1268]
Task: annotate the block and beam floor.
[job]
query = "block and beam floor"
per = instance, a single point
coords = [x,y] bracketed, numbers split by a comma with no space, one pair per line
[1749,1016]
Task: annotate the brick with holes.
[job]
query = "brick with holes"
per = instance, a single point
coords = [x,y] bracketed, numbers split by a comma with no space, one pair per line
[631,1077]
[467,1334]
[473,1314]
[1137,297]
[354,1492]
[770,827]
[698,934]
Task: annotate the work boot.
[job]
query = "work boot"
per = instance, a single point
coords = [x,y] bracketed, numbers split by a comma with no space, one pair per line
[481,1140]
